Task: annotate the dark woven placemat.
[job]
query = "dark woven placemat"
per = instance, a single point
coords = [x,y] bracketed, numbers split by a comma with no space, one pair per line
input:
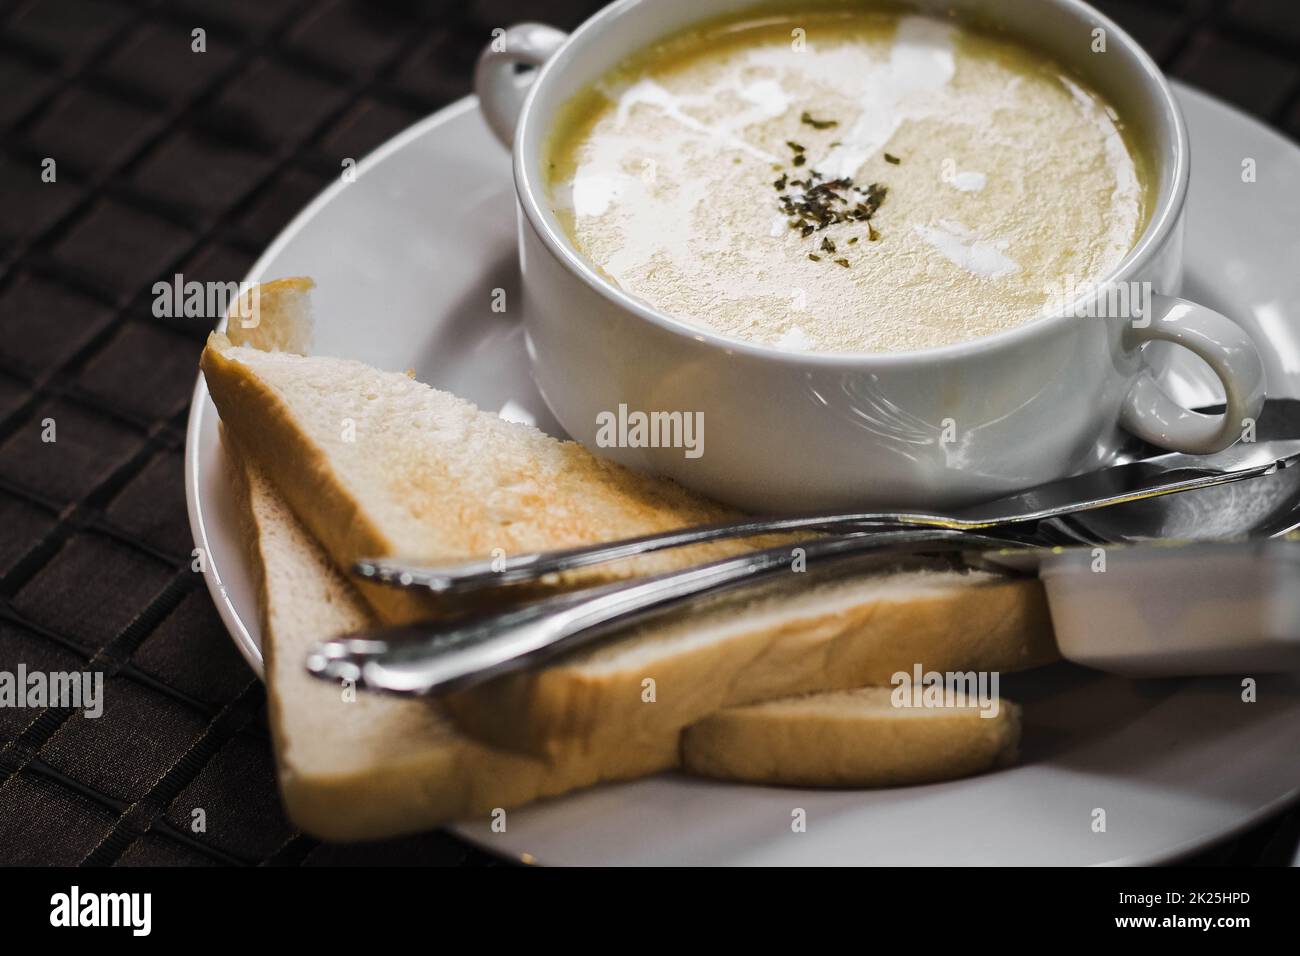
[172,161]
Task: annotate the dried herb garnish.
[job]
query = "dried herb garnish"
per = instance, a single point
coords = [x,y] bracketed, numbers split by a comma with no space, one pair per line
[794,146]
[826,202]
[815,203]
[816,123]
[891,158]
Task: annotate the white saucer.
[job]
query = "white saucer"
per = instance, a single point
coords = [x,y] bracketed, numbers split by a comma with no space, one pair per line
[406,259]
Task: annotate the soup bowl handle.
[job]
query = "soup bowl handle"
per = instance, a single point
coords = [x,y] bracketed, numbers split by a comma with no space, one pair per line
[1222,344]
[500,87]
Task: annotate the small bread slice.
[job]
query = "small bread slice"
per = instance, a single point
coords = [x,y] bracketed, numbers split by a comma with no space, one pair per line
[359,765]
[286,303]
[851,738]
[376,464]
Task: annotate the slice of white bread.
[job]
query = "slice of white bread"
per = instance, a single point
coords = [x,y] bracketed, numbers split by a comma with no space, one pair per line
[374,463]
[851,738]
[377,464]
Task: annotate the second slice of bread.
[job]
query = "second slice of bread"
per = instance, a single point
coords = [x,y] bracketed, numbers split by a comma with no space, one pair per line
[810,634]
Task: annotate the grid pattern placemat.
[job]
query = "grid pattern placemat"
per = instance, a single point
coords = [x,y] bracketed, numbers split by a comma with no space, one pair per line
[166,161]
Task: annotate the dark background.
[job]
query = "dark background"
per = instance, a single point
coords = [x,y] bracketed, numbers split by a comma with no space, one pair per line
[170,161]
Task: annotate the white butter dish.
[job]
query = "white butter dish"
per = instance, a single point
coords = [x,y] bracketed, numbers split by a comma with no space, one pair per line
[1180,609]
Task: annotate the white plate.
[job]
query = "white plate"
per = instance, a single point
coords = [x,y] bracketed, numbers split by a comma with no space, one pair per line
[406,259]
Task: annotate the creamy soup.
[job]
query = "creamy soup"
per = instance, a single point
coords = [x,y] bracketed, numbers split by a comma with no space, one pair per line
[846,181]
